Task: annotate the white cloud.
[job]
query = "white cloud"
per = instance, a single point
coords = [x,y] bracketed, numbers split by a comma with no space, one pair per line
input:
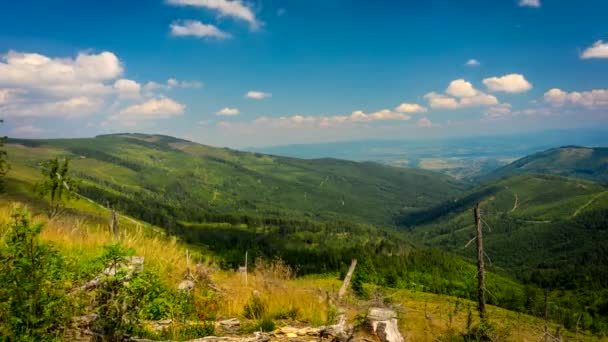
[461,88]
[472,62]
[598,50]
[512,83]
[498,111]
[193,28]
[159,108]
[410,108]
[424,122]
[127,88]
[26,130]
[257,95]
[70,107]
[529,3]
[32,70]
[596,98]
[330,121]
[234,8]
[461,94]
[228,112]
[172,83]
[34,85]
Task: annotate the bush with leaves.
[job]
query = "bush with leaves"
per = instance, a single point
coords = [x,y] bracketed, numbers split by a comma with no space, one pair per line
[33,285]
[124,299]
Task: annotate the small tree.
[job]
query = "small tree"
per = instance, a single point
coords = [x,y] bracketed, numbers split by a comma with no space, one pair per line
[58,185]
[33,301]
[4,166]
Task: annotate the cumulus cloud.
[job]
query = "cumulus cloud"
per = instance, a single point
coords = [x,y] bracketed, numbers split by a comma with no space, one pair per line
[230,8]
[34,85]
[596,98]
[193,28]
[598,50]
[410,108]
[472,62]
[424,122]
[127,88]
[29,70]
[158,108]
[512,83]
[460,94]
[461,88]
[228,112]
[257,95]
[530,3]
[26,130]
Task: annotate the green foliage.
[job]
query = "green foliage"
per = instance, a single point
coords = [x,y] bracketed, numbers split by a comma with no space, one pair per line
[4,166]
[58,186]
[125,298]
[33,301]
[266,324]
[358,286]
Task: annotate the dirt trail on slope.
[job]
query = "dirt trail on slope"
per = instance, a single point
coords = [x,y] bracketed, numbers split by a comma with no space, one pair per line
[588,203]
[516,199]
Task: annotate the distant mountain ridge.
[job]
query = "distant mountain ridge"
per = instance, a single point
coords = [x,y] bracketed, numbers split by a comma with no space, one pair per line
[569,161]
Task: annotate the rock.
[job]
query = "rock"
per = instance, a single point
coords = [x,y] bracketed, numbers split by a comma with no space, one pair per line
[132,265]
[186,285]
[230,325]
[383,323]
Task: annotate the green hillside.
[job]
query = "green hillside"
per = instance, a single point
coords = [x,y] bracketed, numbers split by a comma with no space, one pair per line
[569,161]
[164,180]
[545,230]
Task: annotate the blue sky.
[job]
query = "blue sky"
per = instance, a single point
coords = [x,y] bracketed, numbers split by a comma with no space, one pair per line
[273,72]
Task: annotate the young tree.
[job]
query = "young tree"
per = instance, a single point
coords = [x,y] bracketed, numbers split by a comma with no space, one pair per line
[33,301]
[58,185]
[4,166]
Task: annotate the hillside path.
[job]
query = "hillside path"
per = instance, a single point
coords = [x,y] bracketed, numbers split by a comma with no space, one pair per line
[516,199]
[588,203]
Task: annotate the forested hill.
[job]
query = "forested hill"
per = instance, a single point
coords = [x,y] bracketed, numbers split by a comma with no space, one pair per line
[164,180]
[570,161]
[550,231]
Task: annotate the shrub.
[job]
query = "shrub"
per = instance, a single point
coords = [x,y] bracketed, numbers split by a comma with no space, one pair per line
[33,301]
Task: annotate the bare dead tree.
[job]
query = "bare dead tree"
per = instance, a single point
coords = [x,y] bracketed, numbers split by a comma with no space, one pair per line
[481,285]
[347,279]
[113,226]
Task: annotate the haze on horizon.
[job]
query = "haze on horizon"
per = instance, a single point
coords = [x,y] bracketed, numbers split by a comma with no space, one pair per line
[259,73]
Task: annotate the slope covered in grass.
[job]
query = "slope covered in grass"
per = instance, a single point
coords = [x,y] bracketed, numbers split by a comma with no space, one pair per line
[569,161]
[164,180]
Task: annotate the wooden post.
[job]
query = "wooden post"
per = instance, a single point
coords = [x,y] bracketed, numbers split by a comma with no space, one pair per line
[546,316]
[113,223]
[481,286]
[346,282]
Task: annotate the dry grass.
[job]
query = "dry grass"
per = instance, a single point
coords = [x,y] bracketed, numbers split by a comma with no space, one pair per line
[278,290]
